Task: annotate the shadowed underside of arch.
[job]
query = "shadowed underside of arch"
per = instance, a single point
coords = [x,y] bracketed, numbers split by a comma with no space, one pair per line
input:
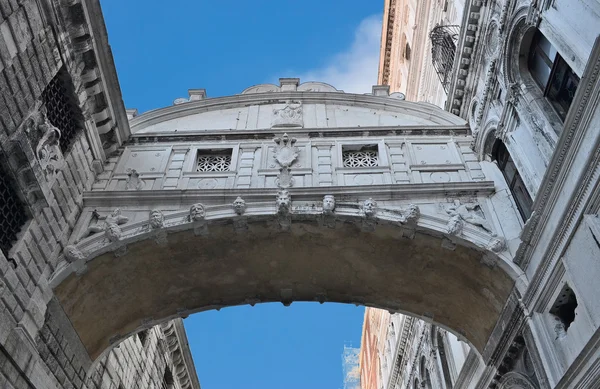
[190,273]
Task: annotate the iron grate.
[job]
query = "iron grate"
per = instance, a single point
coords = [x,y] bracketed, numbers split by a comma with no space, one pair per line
[443,49]
[12,214]
[61,109]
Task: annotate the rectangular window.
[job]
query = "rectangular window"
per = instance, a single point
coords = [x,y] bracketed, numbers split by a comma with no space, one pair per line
[12,214]
[407,51]
[360,155]
[214,160]
[553,74]
[62,108]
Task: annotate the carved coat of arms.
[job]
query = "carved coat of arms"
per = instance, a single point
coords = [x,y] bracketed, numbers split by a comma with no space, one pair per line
[285,155]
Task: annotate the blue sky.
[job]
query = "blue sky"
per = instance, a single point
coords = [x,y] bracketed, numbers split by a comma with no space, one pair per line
[162,49]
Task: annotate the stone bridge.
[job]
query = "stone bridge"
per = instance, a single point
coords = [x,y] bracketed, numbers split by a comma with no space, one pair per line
[293,192]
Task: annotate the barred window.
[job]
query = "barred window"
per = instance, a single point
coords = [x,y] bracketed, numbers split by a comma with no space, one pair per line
[360,156]
[12,214]
[62,108]
[214,160]
[443,48]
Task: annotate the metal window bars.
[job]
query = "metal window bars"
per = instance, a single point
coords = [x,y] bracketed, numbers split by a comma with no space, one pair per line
[12,214]
[443,50]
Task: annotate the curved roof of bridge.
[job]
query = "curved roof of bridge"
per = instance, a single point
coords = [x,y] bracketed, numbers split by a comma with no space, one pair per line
[291,105]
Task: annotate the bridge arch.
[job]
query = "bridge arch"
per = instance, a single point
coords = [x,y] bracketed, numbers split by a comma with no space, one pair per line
[389,260]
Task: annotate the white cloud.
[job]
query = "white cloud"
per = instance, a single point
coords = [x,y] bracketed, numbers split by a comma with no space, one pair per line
[353,70]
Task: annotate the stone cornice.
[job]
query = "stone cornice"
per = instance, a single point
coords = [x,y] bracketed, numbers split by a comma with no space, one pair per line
[378,192]
[179,348]
[559,174]
[387,36]
[325,133]
[348,99]
[463,57]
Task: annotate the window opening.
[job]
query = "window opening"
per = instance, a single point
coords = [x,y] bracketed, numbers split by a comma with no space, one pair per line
[443,49]
[513,179]
[551,72]
[444,361]
[61,108]
[407,51]
[168,380]
[563,308]
[12,214]
[360,156]
[214,160]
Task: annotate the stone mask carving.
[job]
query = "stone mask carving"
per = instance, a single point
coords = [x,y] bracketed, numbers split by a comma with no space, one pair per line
[239,206]
[72,254]
[197,212]
[328,204]
[369,207]
[109,224]
[283,201]
[157,219]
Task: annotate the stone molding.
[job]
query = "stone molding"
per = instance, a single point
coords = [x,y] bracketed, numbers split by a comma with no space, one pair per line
[440,116]
[183,364]
[385,191]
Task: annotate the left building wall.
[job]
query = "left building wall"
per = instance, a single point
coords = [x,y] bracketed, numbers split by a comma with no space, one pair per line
[61,115]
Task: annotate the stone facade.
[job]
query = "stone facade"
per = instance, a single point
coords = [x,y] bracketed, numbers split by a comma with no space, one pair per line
[60,116]
[414,61]
[525,76]
[482,220]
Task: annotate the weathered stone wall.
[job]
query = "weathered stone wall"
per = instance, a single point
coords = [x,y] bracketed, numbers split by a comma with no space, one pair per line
[39,43]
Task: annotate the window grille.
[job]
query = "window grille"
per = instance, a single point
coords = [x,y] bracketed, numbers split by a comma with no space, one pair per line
[213,161]
[367,156]
[62,109]
[443,49]
[12,214]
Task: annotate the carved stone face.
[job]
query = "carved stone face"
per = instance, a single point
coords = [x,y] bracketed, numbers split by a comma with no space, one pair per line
[113,232]
[72,254]
[156,219]
[239,206]
[370,207]
[412,212]
[328,204]
[283,201]
[197,212]
[455,225]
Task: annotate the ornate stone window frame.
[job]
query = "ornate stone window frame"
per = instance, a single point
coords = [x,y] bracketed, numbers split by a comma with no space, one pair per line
[189,167]
[383,160]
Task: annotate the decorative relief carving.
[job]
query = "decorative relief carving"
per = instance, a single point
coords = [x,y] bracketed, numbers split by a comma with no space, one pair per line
[48,150]
[455,225]
[328,204]
[285,155]
[369,208]
[134,181]
[73,254]
[283,202]
[157,222]
[197,213]
[412,214]
[288,116]
[109,224]
[515,381]
[239,206]
[497,244]
[469,213]
[284,206]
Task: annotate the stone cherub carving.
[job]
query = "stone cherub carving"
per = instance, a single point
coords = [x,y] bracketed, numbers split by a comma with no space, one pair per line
[328,204]
[369,207]
[157,219]
[239,206]
[197,212]
[283,202]
[466,212]
[109,224]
